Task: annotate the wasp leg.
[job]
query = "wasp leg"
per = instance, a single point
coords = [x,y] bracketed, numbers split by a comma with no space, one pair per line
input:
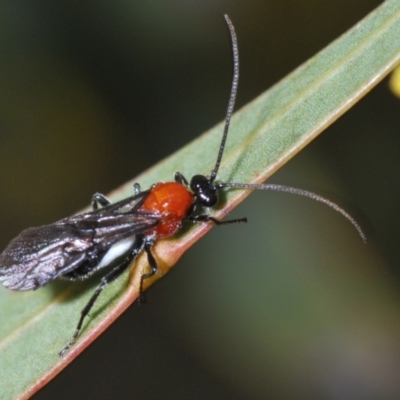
[179,178]
[136,189]
[105,281]
[99,198]
[153,270]
[114,274]
[207,218]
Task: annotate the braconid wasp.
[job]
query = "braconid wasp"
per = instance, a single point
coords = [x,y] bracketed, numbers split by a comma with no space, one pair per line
[115,234]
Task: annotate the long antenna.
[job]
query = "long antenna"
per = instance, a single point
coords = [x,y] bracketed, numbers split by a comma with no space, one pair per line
[300,192]
[232,98]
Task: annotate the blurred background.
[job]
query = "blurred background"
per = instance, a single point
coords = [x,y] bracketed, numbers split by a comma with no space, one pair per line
[290,306]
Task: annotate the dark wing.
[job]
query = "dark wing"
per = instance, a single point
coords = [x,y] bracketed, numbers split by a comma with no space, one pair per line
[40,255]
[127,205]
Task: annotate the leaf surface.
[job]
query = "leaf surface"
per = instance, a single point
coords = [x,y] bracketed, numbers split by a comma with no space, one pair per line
[264,135]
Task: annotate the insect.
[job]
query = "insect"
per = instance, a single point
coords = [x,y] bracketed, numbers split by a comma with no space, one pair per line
[115,234]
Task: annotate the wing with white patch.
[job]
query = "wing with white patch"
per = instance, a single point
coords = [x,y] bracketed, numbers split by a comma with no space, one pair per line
[39,255]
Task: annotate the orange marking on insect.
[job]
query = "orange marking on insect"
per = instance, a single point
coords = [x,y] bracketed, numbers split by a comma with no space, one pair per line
[171,200]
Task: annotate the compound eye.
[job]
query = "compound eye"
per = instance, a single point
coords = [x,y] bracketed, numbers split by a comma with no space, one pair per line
[204,191]
[209,200]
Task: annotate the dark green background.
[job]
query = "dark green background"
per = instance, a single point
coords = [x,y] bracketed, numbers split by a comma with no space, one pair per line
[92,93]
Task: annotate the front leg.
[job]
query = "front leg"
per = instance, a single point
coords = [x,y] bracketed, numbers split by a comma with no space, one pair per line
[206,218]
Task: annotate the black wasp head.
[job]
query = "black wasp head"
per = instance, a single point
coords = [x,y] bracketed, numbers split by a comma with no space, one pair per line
[204,190]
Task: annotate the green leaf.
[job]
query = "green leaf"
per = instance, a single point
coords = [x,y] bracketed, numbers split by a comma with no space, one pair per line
[264,135]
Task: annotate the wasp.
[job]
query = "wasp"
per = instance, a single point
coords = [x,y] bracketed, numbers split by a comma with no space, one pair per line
[114,235]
